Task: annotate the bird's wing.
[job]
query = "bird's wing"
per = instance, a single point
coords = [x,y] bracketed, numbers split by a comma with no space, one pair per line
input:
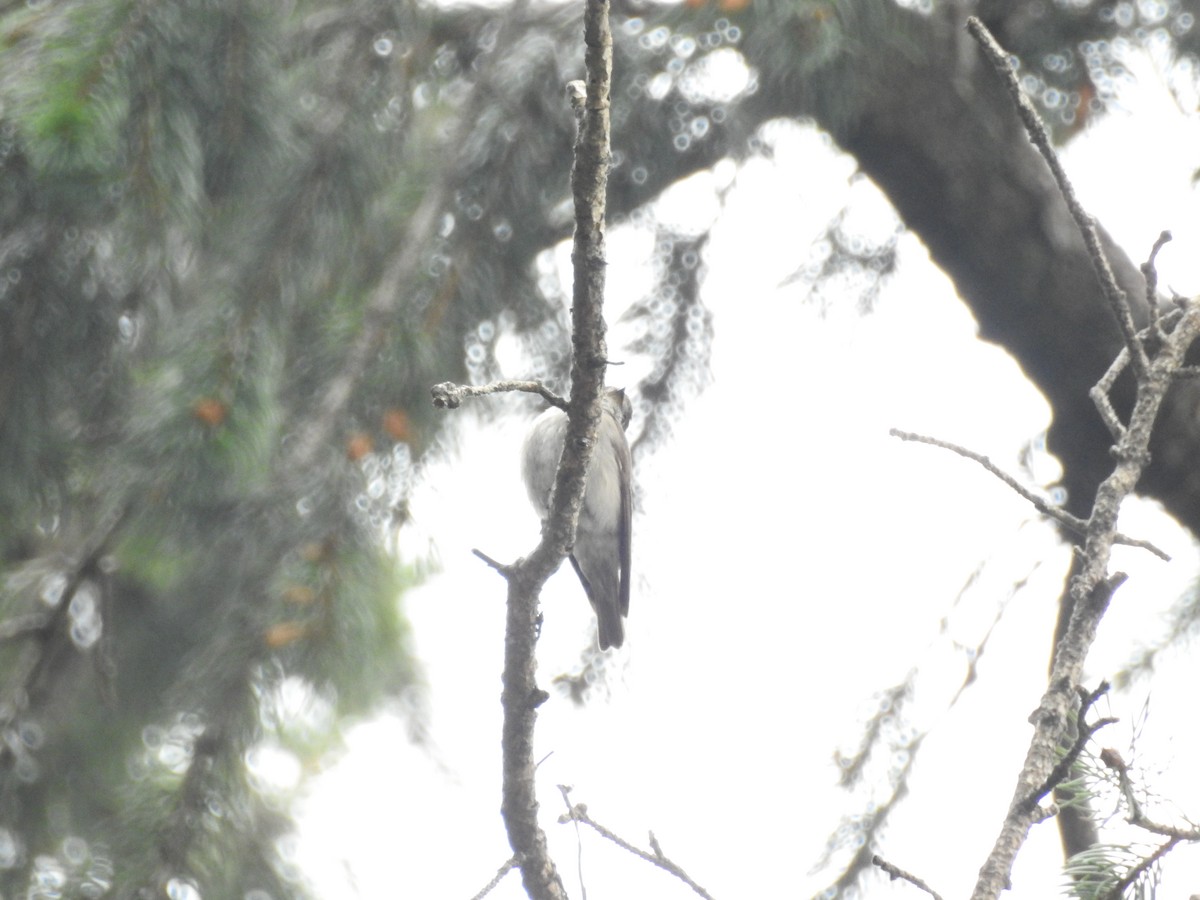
[625,520]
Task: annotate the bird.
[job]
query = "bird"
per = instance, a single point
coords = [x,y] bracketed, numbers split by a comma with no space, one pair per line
[601,553]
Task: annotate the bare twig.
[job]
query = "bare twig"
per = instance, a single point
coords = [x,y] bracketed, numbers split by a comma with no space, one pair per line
[897,873]
[1150,273]
[500,567]
[512,863]
[1100,392]
[1154,334]
[1058,514]
[1117,301]
[448,395]
[1118,889]
[579,813]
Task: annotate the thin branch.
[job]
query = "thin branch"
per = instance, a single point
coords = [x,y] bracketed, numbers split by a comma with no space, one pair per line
[897,873]
[1154,334]
[1118,889]
[1150,273]
[448,395]
[1117,301]
[579,813]
[500,567]
[1100,392]
[512,863]
[1058,514]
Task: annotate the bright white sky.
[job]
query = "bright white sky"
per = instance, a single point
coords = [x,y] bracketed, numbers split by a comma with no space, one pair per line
[774,595]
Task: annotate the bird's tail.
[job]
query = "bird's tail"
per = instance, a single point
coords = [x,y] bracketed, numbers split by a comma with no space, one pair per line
[612,631]
[603,591]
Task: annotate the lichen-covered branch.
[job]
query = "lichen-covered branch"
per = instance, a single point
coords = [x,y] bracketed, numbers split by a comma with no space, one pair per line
[1091,591]
[1155,368]
[521,696]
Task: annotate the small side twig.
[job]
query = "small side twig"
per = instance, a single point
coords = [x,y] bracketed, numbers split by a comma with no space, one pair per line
[502,568]
[513,862]
[1073,524]
[897,873]
[1100,391]
[579,813]
[1150,273]
[1154,335]
[448,395]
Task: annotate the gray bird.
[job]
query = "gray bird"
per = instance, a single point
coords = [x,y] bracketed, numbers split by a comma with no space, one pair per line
[601,552]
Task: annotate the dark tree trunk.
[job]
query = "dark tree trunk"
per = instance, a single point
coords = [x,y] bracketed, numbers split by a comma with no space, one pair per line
[942,140]
[940,137]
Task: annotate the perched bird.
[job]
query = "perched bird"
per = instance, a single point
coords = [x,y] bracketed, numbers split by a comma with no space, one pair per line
[602,540]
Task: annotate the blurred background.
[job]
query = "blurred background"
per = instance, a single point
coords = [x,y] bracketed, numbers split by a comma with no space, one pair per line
[245,650]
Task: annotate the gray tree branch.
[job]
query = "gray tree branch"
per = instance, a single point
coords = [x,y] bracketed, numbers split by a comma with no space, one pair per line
[521,696]
[1092,586]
